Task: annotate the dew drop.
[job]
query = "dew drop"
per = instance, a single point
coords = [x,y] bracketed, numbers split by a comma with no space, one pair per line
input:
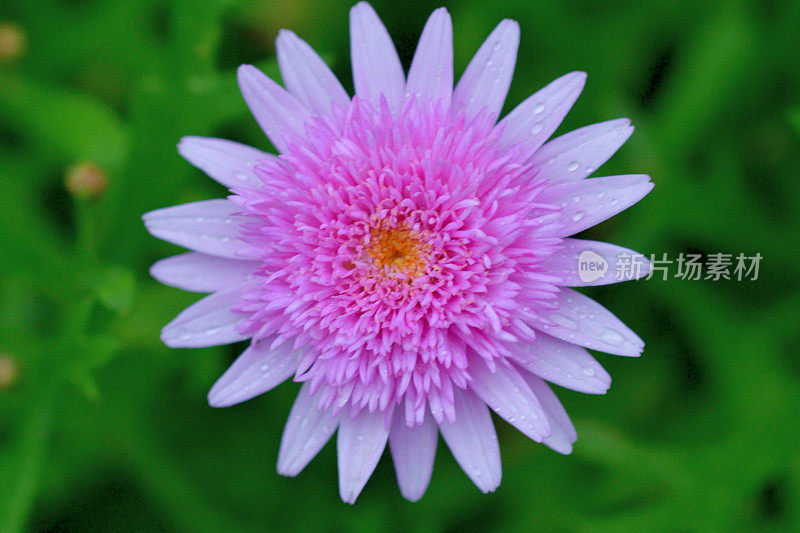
[576,199]
[241,176]
[573,166]
[588,371]
[538,109]
[612,336]
[565,321]
[212,331]
[601,195]
[537,128]
[614,201]
[578,216]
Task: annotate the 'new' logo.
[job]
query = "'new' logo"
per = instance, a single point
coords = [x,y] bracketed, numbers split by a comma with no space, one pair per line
[591,266]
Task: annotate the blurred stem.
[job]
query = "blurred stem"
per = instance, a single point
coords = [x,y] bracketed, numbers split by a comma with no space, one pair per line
[23,484]
[87,231]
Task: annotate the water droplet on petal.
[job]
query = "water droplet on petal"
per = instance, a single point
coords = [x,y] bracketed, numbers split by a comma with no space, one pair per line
[611,336]
[573,166]
[537,128]
[578,216]
[538,109]
[588,371]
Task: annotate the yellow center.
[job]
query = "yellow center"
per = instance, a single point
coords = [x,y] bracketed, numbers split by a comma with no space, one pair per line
[399,249]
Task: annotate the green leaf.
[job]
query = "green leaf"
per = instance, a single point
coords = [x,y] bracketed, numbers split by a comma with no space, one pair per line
[71,126]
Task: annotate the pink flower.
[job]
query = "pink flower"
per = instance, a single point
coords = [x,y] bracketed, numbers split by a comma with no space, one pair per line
[406,256]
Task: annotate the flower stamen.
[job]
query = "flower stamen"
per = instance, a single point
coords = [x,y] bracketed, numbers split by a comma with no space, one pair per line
[398,250]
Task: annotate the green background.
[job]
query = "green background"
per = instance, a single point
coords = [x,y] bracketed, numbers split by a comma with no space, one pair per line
[104,428]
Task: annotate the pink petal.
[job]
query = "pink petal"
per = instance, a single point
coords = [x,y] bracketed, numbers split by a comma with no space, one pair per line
[209,226]
[586,203]
[360,443]
[198,272]
[307,77]
[228,162]
[259,369]
[207,322]
[473,441]
[563,433]
[535,119]
[307,430]
[620,263]
[575,155]
[413,451]
[486,80]
[431,74]
[580,320]
[279,114]
[376,67]
[506,393]
[562,363]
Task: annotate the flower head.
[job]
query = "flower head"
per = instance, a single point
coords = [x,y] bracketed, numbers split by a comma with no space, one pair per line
[405,256]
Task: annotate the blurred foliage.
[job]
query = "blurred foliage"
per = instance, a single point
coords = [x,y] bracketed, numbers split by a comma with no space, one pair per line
[103,428]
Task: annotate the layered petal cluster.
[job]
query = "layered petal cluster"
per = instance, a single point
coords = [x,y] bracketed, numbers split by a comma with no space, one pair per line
[406,256]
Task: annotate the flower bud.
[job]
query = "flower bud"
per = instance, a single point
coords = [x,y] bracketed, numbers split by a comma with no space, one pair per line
[9,372]
[13,42]
[86,180]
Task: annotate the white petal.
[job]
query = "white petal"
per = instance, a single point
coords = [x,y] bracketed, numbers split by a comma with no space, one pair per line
[360,443]
[535,119]
[228,162]
[280,115]
[307,430]
[609,263]
[486,80]
[563,433]
[209,226]
[208,322]
[562,363]
[376,67]
[430,76]
[259,369]
[506,393]
[307,77]
[575,155]
[473,440]
[198,272]
[413,451]
[588,202]
[580,320]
